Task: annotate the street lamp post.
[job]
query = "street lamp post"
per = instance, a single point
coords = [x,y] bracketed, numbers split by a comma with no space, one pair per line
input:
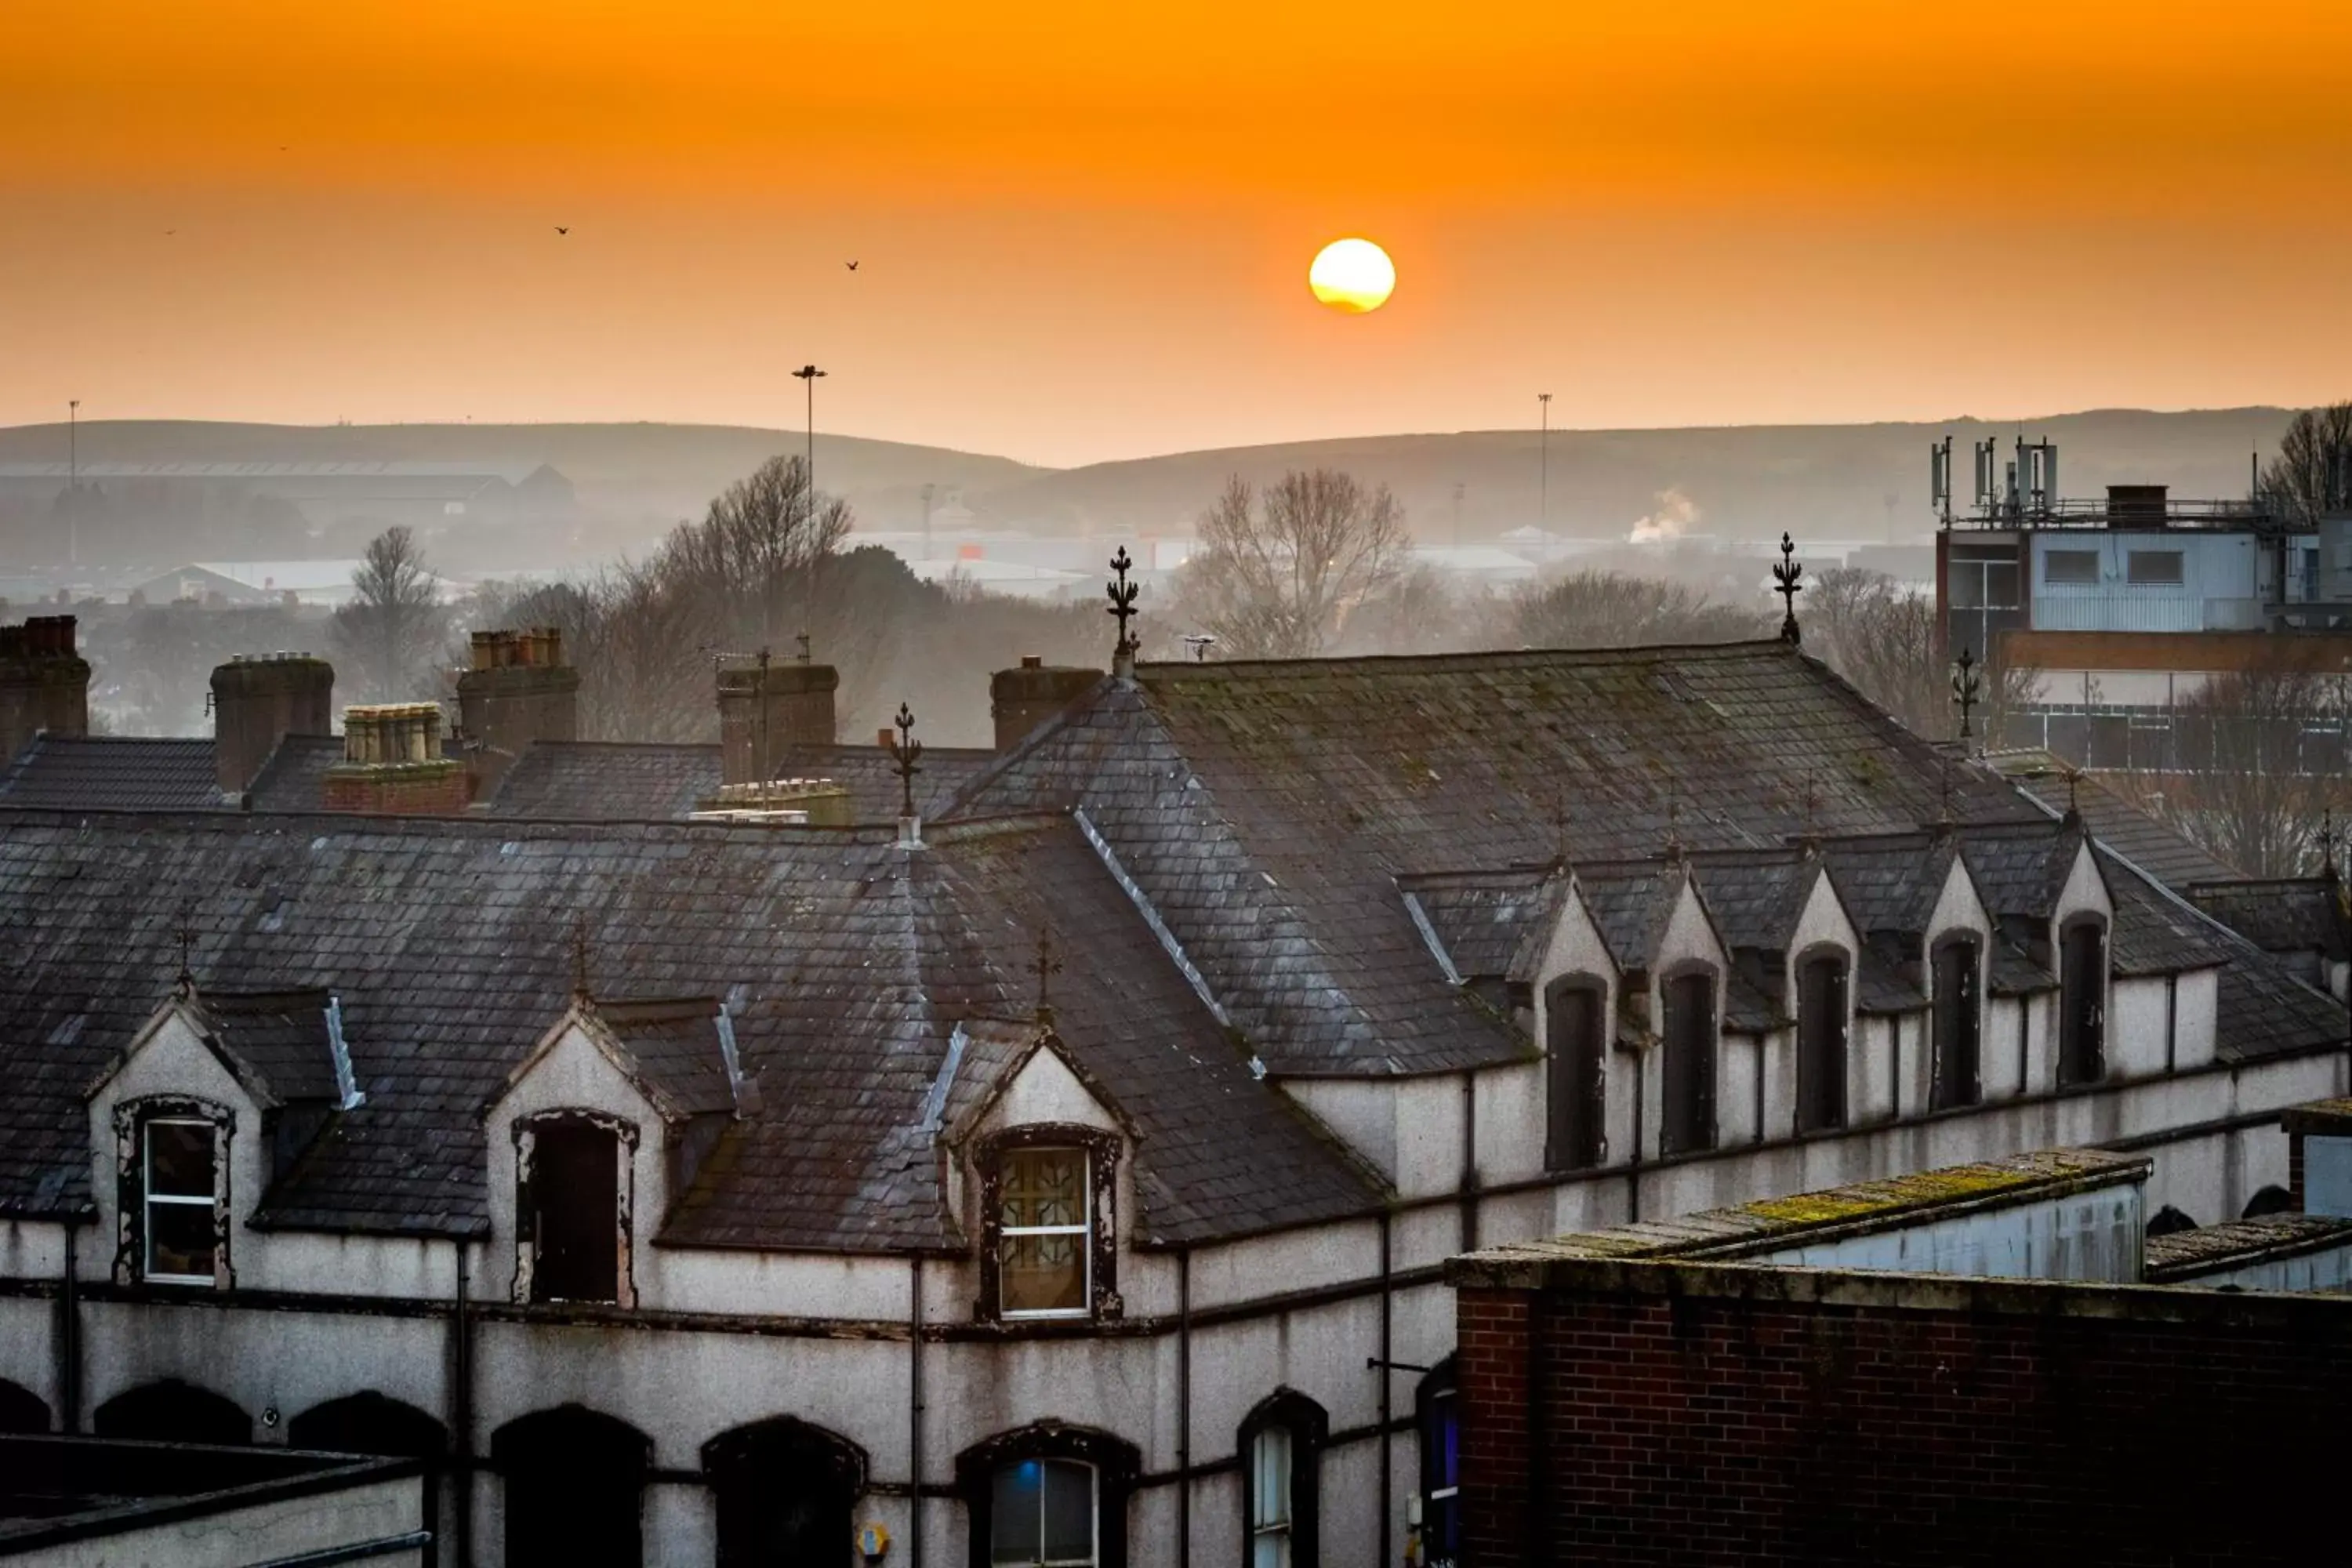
[1543,461]
[73,481]
[809,375]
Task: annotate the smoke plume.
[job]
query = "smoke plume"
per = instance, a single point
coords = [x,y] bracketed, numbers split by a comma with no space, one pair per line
[1674,514]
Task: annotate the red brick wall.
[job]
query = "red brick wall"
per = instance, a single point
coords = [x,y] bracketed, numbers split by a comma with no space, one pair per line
[392,792]
[1712,1429]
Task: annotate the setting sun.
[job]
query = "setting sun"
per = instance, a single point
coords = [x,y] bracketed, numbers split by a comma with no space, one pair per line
[1352,275]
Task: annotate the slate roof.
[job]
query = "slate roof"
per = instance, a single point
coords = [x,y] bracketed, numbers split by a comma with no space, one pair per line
[1485,918]
[846,963]
[294,777]
[1266,815]
[278,1037]
[2155,846]
[2295,914]
[111,772]
[600,781]
[673,1046]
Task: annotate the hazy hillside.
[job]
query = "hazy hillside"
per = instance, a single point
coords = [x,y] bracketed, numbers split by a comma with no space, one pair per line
[621,471]
[1831,481]
[1864,482]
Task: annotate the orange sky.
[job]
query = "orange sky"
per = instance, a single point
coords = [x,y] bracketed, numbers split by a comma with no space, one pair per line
[1083,230]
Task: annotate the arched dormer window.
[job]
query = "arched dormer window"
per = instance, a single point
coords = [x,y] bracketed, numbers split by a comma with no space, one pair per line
[1281,1449]
[171,1192]
[1957,974]
[1576,1014]
[1046,1211]
[1690,1035]
[574,1203]
[1823,1015]
[2082,1000]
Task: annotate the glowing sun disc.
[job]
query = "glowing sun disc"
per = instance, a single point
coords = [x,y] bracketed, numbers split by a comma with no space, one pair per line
[1352,275]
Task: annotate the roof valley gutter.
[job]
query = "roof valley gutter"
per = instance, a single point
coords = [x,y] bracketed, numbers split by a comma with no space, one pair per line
[1175,948]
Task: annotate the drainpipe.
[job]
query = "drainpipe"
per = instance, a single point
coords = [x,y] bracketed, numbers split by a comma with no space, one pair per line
[1633,1166]
[1469,1162]
[914,1418]
[1387,1438]
[69,1338]
[1184,1408]
[461,1413]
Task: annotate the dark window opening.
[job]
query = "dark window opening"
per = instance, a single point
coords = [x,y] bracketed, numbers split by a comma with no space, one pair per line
[1820,1043]
[2169,1221]
[1690,1042]
[2082,1004]
[1042,1512]
[785,1490]
[2155,568]
[1958,1022]
[173,1412]
[2074,567]
[22,1410]
[373,1423]
[1575,1085]
[575,1484]
[575,1195]
[2272,1199]
[1437,1409]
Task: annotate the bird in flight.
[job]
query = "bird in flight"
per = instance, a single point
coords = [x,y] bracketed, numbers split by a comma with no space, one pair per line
[561,229]
[853,267]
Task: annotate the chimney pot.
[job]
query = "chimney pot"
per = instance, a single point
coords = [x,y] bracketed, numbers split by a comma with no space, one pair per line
[258,699]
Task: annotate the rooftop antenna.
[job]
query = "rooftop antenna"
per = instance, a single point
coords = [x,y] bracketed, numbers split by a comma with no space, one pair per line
[906,751]
[1939,480]
[1786,576]
[1967,687]
[1045,966]
[1122,610]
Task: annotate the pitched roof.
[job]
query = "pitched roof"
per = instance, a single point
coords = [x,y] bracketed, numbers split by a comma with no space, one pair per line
[279,1040]
[611,780]
[2154,846]
[294,776]
[2292,914]
[847,964]
[1483,920]
[113,773]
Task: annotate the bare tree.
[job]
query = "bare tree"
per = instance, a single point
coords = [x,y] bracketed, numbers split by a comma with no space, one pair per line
[388,638]
[1882,637]
[2312,472]
[756,559]
[2261,754]
[1279,573]
[1612,609]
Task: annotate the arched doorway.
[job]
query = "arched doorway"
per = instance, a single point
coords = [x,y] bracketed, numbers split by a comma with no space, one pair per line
[574,1488]
[785,1491]
[21,1411]
[368,1423]
[172,1411]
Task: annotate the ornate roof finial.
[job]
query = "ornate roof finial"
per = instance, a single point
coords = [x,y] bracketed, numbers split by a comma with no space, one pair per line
[1673,827]
[1122,604]
[2074,797]
[1967,687]
[1045,966]
[184,983]
[906,751]
[1786,577]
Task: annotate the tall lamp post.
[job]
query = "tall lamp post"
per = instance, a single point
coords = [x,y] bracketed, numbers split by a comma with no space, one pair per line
[1543,461]
[809,375]
[73,481]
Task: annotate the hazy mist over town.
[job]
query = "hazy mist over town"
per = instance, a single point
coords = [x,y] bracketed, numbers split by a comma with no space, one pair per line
[1031,786]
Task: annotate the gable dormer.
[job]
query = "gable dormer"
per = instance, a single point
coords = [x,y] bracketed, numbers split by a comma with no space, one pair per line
[600,1130]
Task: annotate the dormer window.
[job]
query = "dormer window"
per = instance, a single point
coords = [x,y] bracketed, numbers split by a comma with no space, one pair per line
[1689,1067]
[1044,1234]
[2081,1002]
[1045,1207]
[172,1164]
[181,1156]
[1821,1042]
[1958,1021]
[572,1220]
[1575,1086]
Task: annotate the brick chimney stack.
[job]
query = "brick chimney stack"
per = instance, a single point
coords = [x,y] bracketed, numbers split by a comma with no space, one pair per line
[43,683]
[258,699]
[517,691]
[1020,700]
[393,765]
[763,713]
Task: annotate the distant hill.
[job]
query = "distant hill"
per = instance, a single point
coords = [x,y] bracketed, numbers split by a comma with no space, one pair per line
[1827,481]
[1832,482]
[642,472]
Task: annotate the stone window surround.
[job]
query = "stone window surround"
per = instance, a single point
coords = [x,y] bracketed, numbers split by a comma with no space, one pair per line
[524,1132]
[131,1120]
[1102,1150]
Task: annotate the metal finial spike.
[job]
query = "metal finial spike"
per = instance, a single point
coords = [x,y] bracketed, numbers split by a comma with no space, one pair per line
[1122,600]
[1967,687]
[184,982]
[1787,577]
[2074,794]
[1045,967]
[1944,793]
[906,751]
[580,957]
